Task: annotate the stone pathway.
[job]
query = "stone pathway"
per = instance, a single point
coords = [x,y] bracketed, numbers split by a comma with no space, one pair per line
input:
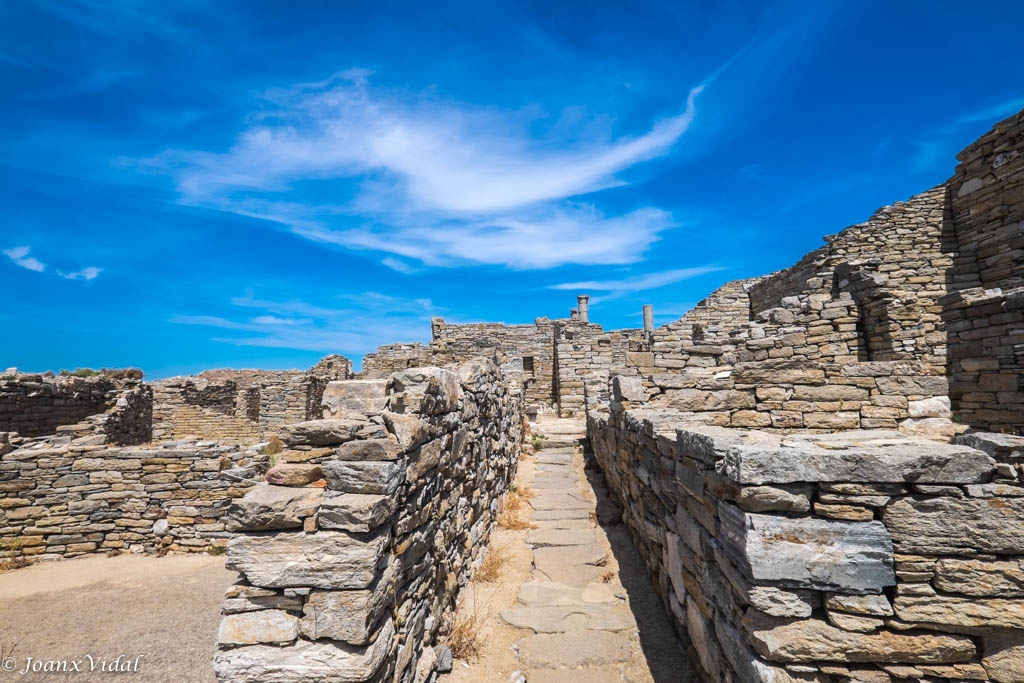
[582,619]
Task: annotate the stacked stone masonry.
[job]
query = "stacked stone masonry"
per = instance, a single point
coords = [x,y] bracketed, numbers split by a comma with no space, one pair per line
[351,562]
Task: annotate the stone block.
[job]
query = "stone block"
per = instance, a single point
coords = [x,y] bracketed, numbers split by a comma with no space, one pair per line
[849,557]
[947,525]
[264,626]
[330,432]
[862,456]
[267,507]
[326,559]
[366,396]
[351,616]
[350,476]
[356,512]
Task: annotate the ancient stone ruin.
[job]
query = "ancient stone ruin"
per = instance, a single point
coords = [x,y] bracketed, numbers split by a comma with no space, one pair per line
[822,468]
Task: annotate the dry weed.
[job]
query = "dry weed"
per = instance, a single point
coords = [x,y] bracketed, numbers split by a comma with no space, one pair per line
[492,565]
[9,564]
[608,576]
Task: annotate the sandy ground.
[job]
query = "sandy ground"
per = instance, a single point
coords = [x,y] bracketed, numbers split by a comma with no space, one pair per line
[166,609]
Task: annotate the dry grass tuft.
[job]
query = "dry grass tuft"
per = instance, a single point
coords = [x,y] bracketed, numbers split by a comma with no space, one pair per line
[9,564]
[492,565]
[274,446]
[607,576]
[465,640]
[527,493]
[512,509]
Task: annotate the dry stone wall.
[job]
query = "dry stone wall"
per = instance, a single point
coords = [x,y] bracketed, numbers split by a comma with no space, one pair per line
[984,312]
[35,405]
[351,558]
[850,556]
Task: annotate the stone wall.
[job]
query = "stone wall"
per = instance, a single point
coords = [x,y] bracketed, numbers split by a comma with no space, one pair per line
[350,568]
[35,405]
[984,312]
[852,556]
[241,405]
[73,494]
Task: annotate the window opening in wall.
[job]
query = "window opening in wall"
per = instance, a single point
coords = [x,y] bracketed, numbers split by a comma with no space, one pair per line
[528,364]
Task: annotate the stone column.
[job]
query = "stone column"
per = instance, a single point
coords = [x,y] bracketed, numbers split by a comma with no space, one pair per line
[648,318]
[583,303]
[574,314]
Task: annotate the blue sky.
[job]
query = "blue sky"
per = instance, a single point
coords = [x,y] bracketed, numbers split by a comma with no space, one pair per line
[188,185]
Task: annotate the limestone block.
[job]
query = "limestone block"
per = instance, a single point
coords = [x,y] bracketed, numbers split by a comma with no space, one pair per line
[327,559]
[946,525]
[240,598]
[357,512]
[264,626]
[351,476]
[410,431]
[293,474]
[966,612]
[792,498]
[1003,657]
[871,605]
[628,389]
[861,456]
[330,432]
[813,641]
[305,661]
[937,406]
[851,557]
[349,616]
[272,507]
[369,449]
[981,578]
[366,396]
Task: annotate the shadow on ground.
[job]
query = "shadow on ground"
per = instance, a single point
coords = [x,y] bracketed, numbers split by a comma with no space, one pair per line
[665,655]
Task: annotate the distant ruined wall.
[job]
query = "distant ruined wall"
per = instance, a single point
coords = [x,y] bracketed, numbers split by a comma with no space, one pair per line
[35,405]
[355,577]
[241,405]
[984,312]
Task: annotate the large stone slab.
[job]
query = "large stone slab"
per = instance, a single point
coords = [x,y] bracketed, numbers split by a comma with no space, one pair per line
[265,626]
[563,618]
[851,557]
[560,501]
[555,537]
[327,559]
[546,593]
[366,396]
[350,615]
[966,612]
[1004,656]
[945,525]
[980,578]
[350,476]
[856,456]
[357,512]
[578,564]
[813,641]
[305,661]
[330,432]
[575,649]
[267,507]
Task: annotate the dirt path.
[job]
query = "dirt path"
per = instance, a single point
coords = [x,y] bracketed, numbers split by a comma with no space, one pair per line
[573,603]
[164,609]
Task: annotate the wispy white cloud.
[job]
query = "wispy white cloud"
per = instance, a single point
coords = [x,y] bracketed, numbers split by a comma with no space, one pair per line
[20,256]
[360,321]
[640,283]
[439,182]
[88,273]
[940,145]
[398,265]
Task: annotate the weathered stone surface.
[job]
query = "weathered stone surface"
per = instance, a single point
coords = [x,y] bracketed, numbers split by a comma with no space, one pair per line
[576,564]
[968,612]
[366,396]
[330,432]
[547,593]
[292,474]
[954,526]
[357,512]
[854,557]
[811,640]
[564,618]
[862,456]
[574,650]
[1003,656]
[265,626]
[628,389]
[240,598]
[409,430]
[370,449]
[775,499]
[353,476]
[305,661]
[272,507]
[561,537]
[351,616]
[328,559]
[854,622]
[981,578]
[871,605]
[771,600]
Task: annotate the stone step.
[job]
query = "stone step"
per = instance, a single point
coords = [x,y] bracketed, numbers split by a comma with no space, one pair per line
[541,538]
[573,650]
[559,501]
[563,618]
[540,593]
[573,565]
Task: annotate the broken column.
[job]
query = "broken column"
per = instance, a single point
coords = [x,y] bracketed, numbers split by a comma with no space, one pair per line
[583,304]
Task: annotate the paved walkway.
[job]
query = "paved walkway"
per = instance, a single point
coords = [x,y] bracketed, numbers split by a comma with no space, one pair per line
[584,621]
